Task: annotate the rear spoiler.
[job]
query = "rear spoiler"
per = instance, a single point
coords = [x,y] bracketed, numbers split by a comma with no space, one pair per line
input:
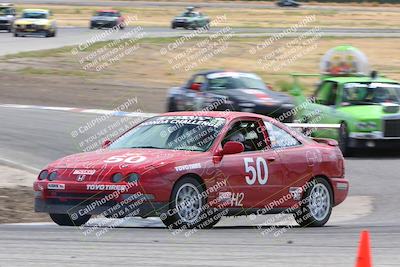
[326,141]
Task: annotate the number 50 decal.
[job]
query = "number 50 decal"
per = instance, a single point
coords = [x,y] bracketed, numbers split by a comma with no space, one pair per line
[259,172]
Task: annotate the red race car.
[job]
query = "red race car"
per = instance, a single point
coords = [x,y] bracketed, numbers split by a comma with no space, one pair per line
[191,168]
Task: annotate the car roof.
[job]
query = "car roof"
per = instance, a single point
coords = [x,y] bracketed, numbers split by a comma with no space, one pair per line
[215,114]
[108,10]
[36,10]
[207,72]
[359,79]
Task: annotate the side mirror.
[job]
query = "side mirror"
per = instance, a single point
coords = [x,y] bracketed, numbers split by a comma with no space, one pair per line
[195,86]
[106,143]
[232,147]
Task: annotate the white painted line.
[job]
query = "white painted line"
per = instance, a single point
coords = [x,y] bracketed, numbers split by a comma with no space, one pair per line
[15,163]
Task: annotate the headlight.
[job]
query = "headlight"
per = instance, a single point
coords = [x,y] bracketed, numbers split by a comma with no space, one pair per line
[52,176]
[365,126]
[116,178]
[133,177]
[43,175]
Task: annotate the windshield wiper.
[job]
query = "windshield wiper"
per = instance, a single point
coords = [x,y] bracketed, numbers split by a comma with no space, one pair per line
[147,147]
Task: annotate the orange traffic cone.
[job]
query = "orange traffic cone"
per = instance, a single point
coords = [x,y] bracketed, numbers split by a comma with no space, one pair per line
[364,251]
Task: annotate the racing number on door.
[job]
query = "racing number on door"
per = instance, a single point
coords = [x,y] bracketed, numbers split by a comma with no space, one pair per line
[258,172]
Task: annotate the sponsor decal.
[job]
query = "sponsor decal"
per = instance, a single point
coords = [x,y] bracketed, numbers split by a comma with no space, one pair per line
[188,167]
[84,172]
[55,186]
[102,187]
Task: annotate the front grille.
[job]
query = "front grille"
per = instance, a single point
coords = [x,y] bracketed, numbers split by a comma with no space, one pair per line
[392,128]
[3,21]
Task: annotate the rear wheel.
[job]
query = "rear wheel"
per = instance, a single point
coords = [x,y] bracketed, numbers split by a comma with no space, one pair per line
[316,207]
[66,220]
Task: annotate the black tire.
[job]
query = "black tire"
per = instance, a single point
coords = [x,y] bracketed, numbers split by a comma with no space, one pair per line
[16,34]
[344,139]
[304,216]
[66,220]
[199,217]
[48,34]
[171,105]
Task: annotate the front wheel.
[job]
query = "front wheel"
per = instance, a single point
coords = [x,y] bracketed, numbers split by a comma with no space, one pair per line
[66,220]
[188,207]
[344,139]
[316,207]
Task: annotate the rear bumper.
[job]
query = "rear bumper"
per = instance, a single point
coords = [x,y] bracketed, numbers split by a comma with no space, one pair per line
[340,188]
[132,208]
[282,112]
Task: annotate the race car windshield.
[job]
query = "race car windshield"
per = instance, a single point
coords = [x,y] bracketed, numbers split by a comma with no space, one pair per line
[106,14]
[371,93]
[187,14]
[34,15]
[5,11]
[190,133]
[236,83]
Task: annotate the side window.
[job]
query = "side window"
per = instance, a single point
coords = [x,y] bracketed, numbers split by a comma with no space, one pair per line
[279,138]
[327,93]
[247,132]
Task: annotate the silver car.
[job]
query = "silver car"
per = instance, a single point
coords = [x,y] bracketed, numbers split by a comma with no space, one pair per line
[7,16]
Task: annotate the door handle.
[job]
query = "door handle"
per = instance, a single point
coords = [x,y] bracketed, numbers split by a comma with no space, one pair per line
[270,158]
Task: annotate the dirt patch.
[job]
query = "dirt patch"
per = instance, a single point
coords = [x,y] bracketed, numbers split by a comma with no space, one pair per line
[16,206]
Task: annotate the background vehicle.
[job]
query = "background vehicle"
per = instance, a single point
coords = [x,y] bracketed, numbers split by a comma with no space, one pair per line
[288,3]
[187,169]
[366,106]
[226,90]
[190,19]
[7,16]
[35,22]
[107,19]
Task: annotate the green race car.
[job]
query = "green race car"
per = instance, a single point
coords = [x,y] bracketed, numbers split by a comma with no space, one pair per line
[190,19]
[366,107]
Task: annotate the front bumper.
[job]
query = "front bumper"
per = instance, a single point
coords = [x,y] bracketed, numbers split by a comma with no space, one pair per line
[5,26]
[180,24]
[372,140]
[130,208]
[103,24]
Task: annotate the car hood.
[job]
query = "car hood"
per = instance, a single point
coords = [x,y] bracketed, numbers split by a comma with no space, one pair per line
[32,21]
[369,112]
[107,18]
[181,18]
[140,159]
[253,95]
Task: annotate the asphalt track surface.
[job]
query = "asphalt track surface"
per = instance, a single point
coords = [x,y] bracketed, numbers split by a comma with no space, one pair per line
[32,138]
[80,35]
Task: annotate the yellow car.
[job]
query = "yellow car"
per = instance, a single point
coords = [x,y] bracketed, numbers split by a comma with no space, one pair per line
[35,22]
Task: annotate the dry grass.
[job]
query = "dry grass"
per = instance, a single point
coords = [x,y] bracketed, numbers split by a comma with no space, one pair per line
[147,66]
[238,17]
